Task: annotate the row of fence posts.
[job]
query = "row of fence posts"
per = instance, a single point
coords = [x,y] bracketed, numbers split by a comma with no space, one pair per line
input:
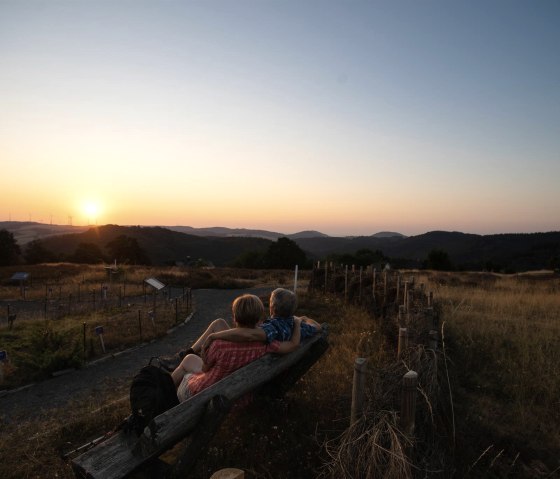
[99,330]
[408,396]
[49,301]
[361,272]
[410,379]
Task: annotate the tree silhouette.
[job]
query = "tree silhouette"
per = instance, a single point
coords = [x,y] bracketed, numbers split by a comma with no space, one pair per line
[438,259]
[88,253]
[35,252]
[126,249]
[284,254]
[9,249]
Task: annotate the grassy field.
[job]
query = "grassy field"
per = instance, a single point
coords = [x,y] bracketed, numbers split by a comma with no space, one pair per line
[488,409]
[503,335]
[63,304]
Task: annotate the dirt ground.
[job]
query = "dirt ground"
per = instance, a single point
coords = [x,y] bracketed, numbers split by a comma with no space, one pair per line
[115,372]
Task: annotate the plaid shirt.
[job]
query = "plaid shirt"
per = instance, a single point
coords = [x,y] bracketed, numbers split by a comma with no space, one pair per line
[280,329]
[225,357]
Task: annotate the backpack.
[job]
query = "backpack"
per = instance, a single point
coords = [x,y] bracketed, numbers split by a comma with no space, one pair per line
[152,392]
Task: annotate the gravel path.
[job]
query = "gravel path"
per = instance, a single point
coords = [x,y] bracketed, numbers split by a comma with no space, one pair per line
[115,373]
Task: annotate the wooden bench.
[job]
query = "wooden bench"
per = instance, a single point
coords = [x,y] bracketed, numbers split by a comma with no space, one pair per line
[197,418]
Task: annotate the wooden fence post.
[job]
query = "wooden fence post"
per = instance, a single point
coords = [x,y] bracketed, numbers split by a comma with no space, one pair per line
[431,319]
[373,283]
[360,287]
[433,341]
[408,402]
[402,316]
[326,274]
[409,300]
[398,288]
[384,287]
[403,342]
[346,284]
[405,293]
[358,389]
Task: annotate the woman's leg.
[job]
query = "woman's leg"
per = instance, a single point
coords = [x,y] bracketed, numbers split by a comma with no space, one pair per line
[191,363]
[215,326]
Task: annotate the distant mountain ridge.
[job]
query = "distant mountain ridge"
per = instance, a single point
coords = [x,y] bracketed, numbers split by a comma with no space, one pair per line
[243,232]
[26,231]
[501,252]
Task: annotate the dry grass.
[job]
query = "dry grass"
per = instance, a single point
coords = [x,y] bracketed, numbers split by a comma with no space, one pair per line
[35,449]
[487,404]
[504,338]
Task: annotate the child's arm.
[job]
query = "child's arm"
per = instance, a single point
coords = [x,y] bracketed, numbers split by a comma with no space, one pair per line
[236,335]
[286,347]
[311,322]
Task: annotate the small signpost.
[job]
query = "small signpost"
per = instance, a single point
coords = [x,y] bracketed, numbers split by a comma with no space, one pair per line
[22,277]
[157,286]
[99,332]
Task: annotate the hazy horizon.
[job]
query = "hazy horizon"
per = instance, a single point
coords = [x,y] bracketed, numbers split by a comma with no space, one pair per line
[347,118]
[281,232]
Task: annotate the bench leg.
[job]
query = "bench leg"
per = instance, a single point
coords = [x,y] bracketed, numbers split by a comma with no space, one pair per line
[216,411]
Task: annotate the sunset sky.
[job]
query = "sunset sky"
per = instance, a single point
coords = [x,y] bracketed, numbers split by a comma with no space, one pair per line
[347,117]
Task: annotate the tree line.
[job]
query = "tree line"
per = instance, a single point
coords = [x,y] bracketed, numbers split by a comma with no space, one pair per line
[281,254]
[123,249]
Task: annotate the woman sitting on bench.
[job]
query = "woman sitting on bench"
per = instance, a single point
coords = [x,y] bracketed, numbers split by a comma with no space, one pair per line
[224,357]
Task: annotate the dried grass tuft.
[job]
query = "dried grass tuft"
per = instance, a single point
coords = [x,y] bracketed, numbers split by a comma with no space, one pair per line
[372,447]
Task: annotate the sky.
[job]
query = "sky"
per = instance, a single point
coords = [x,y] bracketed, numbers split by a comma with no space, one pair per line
[348,117]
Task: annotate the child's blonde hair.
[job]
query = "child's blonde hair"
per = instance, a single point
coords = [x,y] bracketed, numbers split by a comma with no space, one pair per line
[247,310]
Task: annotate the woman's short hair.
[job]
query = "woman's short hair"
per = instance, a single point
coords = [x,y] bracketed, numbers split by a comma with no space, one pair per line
[283,303]
[247,310]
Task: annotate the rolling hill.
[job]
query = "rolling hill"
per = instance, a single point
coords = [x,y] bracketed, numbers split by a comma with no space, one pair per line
[501,252]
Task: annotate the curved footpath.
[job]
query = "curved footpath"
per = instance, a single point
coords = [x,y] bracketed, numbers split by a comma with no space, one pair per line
[116,372]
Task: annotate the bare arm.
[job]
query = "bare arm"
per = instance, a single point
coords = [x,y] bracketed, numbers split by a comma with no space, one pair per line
[312,322]
[291,345]
[236,335]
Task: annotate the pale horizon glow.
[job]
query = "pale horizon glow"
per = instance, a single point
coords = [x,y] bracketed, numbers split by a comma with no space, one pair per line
[348,118]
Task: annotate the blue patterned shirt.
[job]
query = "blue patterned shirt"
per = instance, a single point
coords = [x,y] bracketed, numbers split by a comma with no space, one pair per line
[280,329]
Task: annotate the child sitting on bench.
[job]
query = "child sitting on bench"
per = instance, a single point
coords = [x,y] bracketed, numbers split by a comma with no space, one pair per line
[224,357]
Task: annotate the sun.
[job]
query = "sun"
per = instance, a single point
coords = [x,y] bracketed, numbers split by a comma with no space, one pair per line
[91,210]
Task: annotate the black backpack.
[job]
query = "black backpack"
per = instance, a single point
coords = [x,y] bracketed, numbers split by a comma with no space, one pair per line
[152,392]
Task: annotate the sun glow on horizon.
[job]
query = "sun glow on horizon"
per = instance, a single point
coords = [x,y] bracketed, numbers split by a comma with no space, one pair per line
[91,210]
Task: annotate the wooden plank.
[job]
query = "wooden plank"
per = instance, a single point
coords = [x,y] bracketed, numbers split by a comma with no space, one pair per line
[124,452]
